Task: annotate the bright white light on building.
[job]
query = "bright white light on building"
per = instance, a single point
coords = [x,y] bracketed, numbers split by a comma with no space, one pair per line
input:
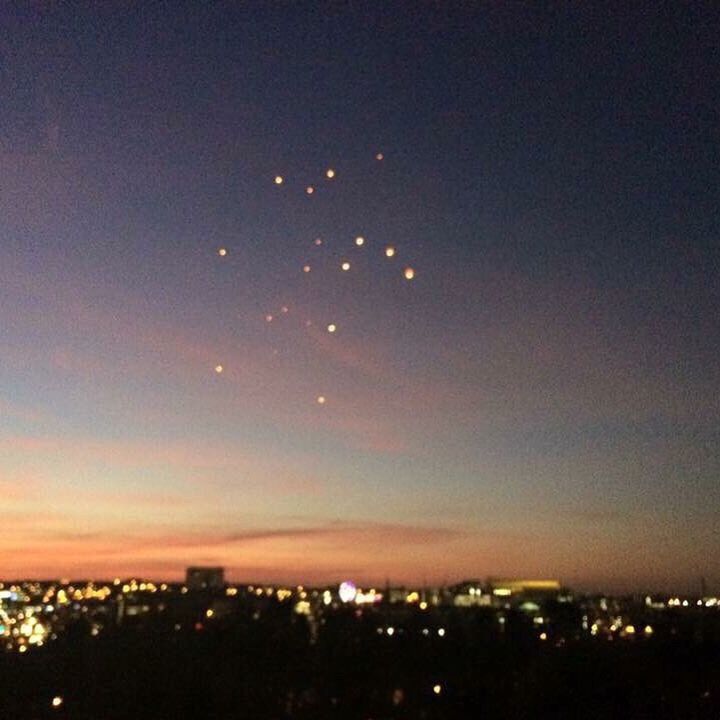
[347,591]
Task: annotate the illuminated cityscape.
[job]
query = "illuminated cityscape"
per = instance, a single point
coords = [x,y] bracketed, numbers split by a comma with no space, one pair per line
[547,623]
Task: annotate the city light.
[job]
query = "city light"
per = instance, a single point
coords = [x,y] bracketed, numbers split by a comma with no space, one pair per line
[347,591]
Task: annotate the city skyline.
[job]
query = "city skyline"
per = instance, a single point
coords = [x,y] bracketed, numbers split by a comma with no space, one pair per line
[538,399]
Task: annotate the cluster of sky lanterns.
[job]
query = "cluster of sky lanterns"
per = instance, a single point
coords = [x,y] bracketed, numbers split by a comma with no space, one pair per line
[389,251]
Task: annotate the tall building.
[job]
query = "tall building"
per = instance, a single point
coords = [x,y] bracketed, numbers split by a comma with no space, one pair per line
[205,578]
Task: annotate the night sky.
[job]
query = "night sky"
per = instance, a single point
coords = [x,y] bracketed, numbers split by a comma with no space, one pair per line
[541,399]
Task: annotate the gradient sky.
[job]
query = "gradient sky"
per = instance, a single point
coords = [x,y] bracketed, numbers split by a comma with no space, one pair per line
[542,399]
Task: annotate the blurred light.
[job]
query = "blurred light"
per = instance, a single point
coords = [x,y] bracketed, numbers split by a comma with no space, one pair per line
[347,591]
[222,252]
[648,630]
[345,265]
[268,317]
[309,189]
[409,273]
[331,328]
[57,701]
[330,173]
[318,241]
[209,613]
[437,689]
[359,241]
[278,180]
[441,632]
[284,309]
[321,399]
[379,156]
[218,369]
[390,251]
[543,636]
[306,268]
[390,631]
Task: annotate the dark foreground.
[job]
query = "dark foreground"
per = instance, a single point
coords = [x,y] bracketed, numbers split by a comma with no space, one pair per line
[274,666]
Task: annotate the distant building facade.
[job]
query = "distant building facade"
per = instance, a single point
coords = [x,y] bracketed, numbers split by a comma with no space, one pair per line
[205,578]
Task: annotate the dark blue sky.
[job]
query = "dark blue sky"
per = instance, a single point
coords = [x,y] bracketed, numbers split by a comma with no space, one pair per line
[549,379]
